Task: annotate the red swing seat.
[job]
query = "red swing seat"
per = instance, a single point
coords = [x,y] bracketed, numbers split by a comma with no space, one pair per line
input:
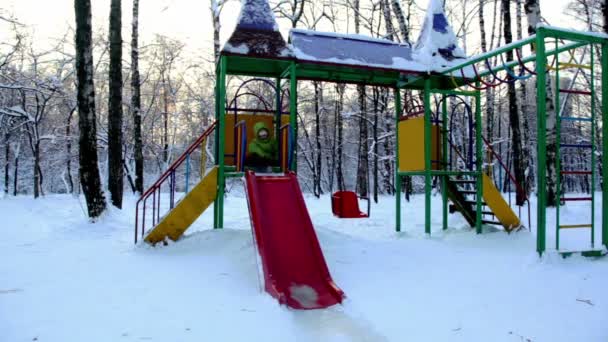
[345,204]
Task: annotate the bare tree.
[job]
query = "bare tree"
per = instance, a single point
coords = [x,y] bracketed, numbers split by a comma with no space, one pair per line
[115,168]
[136,101]
[89,172]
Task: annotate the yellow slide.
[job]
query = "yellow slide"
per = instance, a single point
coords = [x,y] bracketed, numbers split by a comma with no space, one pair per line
[501,209]
[178,220]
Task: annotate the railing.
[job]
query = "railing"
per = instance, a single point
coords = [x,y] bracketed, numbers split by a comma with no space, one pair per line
[519,189]
[286,146]
[169,176]
[240,148]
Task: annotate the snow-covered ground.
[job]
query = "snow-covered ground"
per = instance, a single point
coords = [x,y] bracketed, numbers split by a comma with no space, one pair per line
[64,279]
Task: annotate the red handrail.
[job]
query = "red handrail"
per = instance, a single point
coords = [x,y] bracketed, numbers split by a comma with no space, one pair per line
[170,172]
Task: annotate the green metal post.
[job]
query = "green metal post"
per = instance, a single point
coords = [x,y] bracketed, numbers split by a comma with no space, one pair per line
[216,205]
[444,159]
[592,148]
[558,160]
[604,144]
[221,179]
[478,160]
[541,148]
[427,156]
[397,176]
[277,124]
[293,115]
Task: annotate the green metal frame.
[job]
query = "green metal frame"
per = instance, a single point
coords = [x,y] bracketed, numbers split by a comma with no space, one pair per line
[442,83]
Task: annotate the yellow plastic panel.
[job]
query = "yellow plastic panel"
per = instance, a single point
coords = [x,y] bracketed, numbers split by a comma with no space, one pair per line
[178,220]
[250,120]
[501,209]
[411,145]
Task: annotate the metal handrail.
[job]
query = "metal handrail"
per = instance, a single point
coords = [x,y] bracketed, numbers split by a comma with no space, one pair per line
[168,174]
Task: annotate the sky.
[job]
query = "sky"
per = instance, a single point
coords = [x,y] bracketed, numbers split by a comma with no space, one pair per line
[186,20]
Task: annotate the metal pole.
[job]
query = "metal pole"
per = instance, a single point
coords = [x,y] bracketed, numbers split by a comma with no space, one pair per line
[397,176]
[427,156]
[604,144]
[558,161]
[541,148]
[444,158]
[293,108]
[221,179]
[478,160]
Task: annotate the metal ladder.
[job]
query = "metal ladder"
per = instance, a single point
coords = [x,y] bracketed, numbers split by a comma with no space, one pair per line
[589,145]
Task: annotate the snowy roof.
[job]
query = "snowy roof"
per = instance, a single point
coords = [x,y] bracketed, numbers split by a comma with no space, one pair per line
[257,33]
[437,46]
[351,49]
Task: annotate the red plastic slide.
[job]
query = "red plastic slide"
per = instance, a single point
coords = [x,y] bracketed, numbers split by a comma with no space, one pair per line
[295,271]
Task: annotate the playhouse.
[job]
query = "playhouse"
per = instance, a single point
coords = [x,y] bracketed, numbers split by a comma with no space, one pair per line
[294,269]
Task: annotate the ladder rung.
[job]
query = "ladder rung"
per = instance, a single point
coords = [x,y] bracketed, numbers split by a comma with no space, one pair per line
[575,118]
[576,145]
[464,181]
[576,172]
[468,192]
[568,199]
[574,65]
[474,202]
[574,91]
[491,222]
[574,226]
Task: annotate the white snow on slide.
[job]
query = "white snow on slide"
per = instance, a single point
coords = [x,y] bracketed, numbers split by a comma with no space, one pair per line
[64,279]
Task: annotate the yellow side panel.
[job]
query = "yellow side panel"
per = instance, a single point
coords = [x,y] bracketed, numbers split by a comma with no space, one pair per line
[411,145]
[498,205]
[250,120]
[178,220]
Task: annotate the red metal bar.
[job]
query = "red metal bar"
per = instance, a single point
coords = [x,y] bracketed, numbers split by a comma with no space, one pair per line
[568,199]
[576,172]
[156,186]
[576,92]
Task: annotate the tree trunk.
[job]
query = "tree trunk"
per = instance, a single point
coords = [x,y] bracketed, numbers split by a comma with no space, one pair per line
[136,101]
[376,104]
[532,9]
[115,170]
[516,147]
[605,15]
[68,153]
[16,170]
[7,151]
[405,34]
[319,153]
[340,138]
[89,171]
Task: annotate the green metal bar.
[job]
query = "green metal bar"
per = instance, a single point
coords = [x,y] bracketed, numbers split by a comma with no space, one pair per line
[532,58]
[479,159]
[444,157]
[604,144]
[455,92]
[541,147]
[221,181]
[558,162]
[592,148]
[293,115]
[397,173]
[277,118]
[427,156]
[572,35]
[217,139]
[493,53]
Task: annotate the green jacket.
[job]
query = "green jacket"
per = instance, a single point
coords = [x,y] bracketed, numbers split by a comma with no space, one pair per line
[265,149]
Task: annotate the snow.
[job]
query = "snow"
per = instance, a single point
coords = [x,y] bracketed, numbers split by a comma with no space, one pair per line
[352,49]
[437,45]
[240,49]
[256,14]
[66,279]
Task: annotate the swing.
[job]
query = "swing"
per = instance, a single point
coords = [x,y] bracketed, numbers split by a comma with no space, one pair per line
[345,204]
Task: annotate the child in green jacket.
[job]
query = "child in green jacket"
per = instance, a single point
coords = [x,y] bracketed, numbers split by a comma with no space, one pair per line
[263,149]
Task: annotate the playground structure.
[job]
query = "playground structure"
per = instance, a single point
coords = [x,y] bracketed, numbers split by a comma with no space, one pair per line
[280,221]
